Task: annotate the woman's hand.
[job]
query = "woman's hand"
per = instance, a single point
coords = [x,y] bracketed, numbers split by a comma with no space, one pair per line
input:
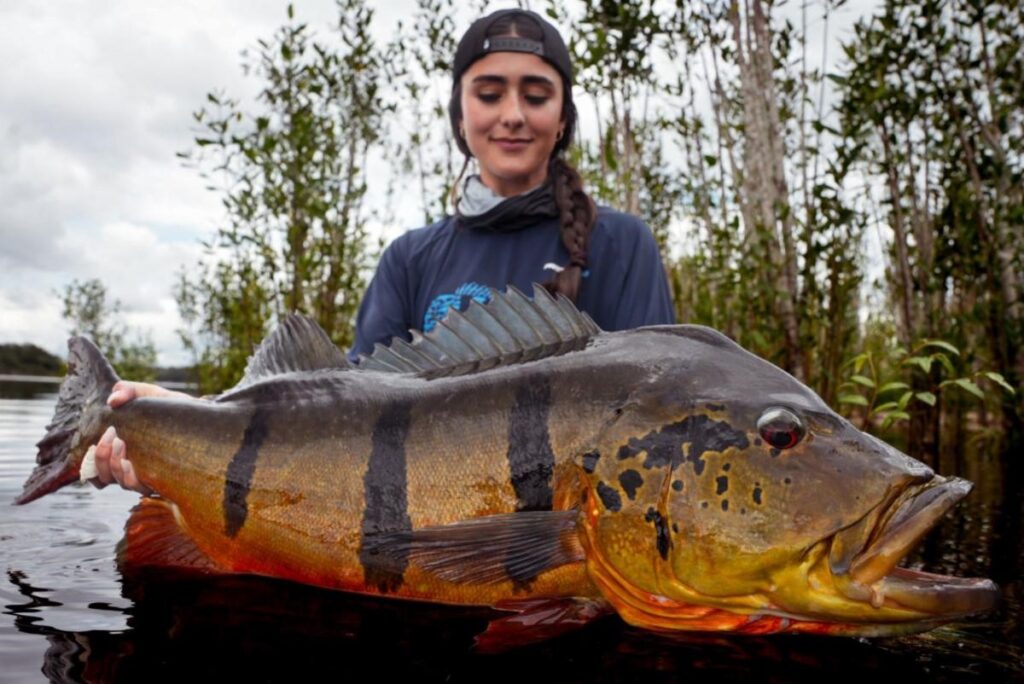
[111,461]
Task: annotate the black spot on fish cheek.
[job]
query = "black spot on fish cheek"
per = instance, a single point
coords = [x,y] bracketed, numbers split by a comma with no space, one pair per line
[662,540]
[723,484]
[631,481]
[757,495]
[609,497]
[788,481]
[775,452]
[677,485]
[590,460]
[703,504]
[675,528]
[727,467]
[725,504]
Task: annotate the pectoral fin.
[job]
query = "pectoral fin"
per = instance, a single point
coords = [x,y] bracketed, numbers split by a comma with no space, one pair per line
[488,550]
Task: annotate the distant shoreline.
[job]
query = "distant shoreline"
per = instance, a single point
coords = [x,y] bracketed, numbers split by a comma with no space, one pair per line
[52,379]
[55,380]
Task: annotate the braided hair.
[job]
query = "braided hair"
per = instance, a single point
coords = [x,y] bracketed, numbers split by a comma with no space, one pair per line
[576,210]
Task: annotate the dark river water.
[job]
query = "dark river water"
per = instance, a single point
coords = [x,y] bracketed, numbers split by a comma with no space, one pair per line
[70,616]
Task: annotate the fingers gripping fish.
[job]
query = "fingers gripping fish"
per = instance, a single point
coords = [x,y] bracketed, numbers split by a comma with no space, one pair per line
[518,456]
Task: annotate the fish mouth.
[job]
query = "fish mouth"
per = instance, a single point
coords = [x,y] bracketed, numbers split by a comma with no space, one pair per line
[865,557]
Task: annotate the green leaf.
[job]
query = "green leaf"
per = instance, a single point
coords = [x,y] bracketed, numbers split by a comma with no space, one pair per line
[853,399]
[862,380]
[946,363]
[858,362]
[887,406]
[894,416]
[999,380]
[942,344]
[968,386]
[904,400]
[926,397]
[923,362]
[889,386]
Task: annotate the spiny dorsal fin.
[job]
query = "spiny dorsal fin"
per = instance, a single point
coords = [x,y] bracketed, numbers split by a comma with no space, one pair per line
[511,328]
[297,344]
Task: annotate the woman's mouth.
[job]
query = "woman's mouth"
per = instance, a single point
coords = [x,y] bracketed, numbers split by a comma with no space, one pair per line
[511,144]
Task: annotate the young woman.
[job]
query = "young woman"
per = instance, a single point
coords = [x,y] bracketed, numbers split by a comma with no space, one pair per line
[524,219]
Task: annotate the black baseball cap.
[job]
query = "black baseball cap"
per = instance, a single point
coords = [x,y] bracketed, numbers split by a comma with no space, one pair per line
[476,44]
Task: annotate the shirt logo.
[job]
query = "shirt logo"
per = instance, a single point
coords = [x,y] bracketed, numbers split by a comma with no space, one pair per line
[460,301]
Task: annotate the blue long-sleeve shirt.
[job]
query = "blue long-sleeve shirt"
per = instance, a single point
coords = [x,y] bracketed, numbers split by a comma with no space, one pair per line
[428,270]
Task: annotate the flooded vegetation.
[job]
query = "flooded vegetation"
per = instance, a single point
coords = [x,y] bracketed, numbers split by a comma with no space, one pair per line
[71,615]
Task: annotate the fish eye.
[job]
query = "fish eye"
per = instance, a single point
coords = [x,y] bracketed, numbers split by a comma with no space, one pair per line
[781,428]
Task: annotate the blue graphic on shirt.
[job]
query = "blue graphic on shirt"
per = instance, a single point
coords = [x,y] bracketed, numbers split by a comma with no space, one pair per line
[464,294]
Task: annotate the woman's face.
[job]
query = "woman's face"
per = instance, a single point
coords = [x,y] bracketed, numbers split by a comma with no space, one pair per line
[511,117]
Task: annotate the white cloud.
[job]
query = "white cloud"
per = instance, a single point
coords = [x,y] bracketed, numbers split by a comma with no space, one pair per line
[96,102]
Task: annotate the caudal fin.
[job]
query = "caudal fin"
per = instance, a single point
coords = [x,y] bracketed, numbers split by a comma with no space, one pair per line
[77,421]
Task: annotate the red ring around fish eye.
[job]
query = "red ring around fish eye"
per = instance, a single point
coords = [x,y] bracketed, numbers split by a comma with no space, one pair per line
[781,428]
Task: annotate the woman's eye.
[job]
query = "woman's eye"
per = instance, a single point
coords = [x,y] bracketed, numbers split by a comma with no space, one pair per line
[536,100]
[781,428]
[489,98]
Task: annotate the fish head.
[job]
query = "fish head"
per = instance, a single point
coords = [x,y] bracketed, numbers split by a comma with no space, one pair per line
[726,495]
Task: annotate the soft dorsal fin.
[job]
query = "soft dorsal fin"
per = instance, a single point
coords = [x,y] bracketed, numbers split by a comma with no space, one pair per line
[297,344]
[510,328]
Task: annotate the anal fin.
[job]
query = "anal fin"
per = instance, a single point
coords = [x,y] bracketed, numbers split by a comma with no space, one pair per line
[539,619]
[153,539]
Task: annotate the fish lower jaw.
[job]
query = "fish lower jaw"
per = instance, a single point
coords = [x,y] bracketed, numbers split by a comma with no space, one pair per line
[912,595]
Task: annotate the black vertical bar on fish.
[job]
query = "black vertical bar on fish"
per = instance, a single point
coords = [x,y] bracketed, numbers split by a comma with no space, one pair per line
[531,460]
[238,480]
[385,492]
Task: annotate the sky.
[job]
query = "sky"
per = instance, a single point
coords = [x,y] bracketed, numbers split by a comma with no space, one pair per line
[95,100]
[94,104]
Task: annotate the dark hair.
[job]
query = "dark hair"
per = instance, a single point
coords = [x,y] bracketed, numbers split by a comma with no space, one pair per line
[577,211]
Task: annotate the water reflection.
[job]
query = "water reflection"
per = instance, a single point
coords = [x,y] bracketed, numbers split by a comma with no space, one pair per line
[268,630]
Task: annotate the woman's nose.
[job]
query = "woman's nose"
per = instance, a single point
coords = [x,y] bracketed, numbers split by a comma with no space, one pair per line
[512,113]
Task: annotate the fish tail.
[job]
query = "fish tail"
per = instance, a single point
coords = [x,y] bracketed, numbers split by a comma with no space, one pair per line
[78,420]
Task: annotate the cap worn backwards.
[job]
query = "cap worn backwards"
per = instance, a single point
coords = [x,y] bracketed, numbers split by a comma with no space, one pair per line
[476,44]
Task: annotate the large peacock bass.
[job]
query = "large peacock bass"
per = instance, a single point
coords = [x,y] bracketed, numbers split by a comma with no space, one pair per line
[517,455]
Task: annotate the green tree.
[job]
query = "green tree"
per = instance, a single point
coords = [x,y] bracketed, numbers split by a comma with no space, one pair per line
[89,312]
[293,175]
[931,96]
[771,256]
